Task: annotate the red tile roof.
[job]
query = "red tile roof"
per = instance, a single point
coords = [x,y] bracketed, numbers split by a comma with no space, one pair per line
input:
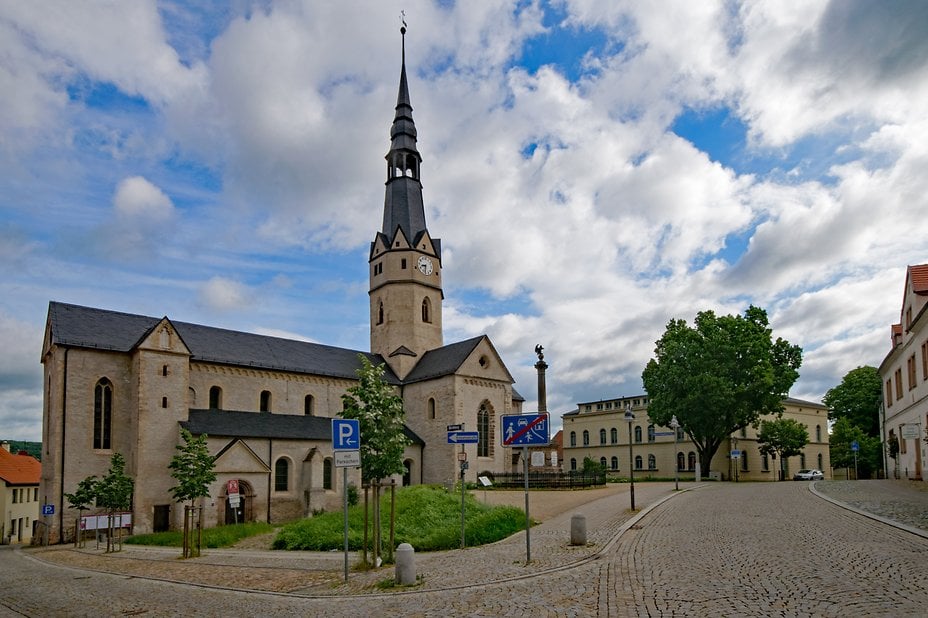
[918,275]
[19,469]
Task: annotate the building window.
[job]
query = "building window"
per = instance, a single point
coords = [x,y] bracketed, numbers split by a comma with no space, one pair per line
[652,462]
[899,383]
[327,474]
[637,434]
[744,432]
[650,433]
[573,438]
[586,438]
[925,361]
[691,461]
[681,461]
[744,461]
[164,402]
[164,370]
[614,435]
[427,311]
[889,393]
[680,435]
[602,462]
[818,433]
[265,403]
[308,404]
[484,438]
[403,263]
[910,366]
[15,496]
[215,398]
[638,462]
[615,462]
[820,460]
[102,414]
[573,464]
[602,437]
[282,474]
[380,313]
[764,462]
[431,406]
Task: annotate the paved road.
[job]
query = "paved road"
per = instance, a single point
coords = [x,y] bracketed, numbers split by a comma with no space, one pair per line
[746,549]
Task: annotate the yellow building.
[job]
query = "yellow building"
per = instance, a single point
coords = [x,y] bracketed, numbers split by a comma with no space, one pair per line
[598,430]
[19,495]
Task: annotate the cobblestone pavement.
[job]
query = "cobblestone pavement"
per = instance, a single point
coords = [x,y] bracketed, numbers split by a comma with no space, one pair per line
[746,549]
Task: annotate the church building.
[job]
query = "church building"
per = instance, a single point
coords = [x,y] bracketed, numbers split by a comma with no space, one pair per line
[123,383]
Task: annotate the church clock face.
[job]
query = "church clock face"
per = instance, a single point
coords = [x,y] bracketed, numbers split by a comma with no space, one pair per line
[425,265]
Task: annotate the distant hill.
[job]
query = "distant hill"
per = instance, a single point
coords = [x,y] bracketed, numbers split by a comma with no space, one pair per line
[33,448]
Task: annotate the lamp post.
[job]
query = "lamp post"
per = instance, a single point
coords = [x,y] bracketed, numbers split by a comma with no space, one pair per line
[630,418]
[674,423]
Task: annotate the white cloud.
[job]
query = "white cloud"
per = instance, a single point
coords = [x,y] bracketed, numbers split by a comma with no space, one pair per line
[224,294]
[137,198]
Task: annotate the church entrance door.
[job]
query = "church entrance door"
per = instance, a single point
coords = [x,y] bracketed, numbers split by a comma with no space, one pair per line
[243,511]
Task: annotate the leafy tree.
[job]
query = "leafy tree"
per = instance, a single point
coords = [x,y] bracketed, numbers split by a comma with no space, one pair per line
[782,437]
[857,399]
[114,492]
[869,454]
[82,499]
[194,470]
[719,376]
[592,466]
[380,415]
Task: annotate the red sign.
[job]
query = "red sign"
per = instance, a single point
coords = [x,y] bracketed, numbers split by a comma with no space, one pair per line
[232,487]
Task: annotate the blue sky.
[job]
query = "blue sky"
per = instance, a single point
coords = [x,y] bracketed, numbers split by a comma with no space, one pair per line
[593,169]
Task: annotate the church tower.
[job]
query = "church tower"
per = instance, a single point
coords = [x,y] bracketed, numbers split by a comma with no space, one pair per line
[405,262]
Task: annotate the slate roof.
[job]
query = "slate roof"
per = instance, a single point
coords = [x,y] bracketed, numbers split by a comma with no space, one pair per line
[86,327]
[238,424]
[19,469]
[443,361]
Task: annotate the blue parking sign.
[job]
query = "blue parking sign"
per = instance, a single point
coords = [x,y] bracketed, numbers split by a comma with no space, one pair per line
[48,509]
[346,434]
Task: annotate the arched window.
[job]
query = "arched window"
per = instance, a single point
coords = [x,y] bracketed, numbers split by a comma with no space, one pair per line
[691,461]
[215,398]
[265,403]
[427,310]
[614,435]
[650,433]
[573,464]
[681,461]
[431,407]
[380,314]
[573,438]
[602,436]
[103,414]
[652,462]
[602,462]
[586,438]
[282,474]
[637,434]
[818,433]
[638,462]
[484,439]
[615,462]
[744,461]
[327,475]
[764,462]
[308,405]
[820,466]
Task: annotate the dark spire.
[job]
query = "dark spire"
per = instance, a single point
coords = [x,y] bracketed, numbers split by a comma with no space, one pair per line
[403,206]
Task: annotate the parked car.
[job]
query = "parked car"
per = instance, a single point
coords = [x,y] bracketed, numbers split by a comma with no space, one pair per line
[809,475]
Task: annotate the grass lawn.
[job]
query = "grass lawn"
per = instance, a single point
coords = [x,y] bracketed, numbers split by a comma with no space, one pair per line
[222,536]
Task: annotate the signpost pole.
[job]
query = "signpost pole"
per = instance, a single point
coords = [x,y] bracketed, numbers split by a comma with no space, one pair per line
[345,493]
[528,520]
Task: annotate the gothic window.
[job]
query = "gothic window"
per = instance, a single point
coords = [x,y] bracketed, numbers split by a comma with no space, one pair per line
[615,462]
[431,406]
[820,466]
[484,439]
[638,462]
[602,436]
[427,311]
[215,398]
[308,405]
[586,438]
[818,433]
[380,313]
[652,462]
[103,414]
[573,438]
[614,435]
[265,403]
[327,473]
[637,434]
[282,474]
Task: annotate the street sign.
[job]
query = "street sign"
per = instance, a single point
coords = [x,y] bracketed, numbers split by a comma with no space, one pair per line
[347,459]
[346,434]
[232,487]
[463,437]
[525,429]
[234,500]
[457,427]
[855,446]
[735,454]
[48,509]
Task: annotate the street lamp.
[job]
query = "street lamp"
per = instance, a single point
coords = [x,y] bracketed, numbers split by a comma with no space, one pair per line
[630,418]
[674,423]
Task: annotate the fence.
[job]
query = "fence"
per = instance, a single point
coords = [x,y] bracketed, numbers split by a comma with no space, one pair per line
[548,480]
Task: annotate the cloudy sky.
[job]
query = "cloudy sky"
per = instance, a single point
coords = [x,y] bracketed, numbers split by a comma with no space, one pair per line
[593,168]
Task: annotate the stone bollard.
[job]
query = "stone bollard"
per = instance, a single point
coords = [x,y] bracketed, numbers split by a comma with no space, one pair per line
[578,529]
[405,565]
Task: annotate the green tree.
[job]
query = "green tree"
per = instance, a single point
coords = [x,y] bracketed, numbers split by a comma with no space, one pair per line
[114,493]
[719,376]
[380,415]
[194,470]
[869,454]
[857,399]
[782,437]
[82,499]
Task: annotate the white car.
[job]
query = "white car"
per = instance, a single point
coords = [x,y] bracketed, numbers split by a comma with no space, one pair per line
[809,475]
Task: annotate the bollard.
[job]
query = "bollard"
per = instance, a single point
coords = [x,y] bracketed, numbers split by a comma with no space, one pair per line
[405,565]
[578,529]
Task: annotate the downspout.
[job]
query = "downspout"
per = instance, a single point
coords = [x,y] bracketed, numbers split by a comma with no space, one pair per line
[270,474]
[64,417]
